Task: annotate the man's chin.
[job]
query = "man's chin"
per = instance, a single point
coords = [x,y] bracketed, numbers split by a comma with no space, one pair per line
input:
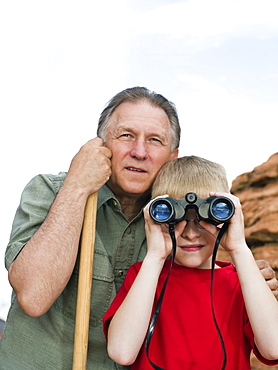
[129,190]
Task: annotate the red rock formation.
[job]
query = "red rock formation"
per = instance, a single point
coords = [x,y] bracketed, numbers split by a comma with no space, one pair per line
[258,193]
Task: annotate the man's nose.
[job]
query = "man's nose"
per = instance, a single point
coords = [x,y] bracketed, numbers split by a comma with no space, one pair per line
[139,149]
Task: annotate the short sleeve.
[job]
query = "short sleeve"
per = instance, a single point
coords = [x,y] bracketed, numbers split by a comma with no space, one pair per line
[250,336]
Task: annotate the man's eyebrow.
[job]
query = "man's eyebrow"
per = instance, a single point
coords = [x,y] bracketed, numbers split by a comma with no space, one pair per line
[124,128]
[121,129]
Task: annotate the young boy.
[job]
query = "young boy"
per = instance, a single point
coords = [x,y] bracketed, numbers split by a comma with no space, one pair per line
[185,334]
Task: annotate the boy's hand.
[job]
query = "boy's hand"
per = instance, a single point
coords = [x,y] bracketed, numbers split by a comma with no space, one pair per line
[159,242]
[234,238]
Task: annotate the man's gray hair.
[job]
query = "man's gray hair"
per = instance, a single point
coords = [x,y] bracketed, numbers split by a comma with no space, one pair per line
[136,94]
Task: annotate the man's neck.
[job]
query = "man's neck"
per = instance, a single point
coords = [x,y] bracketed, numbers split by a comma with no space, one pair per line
[131,206]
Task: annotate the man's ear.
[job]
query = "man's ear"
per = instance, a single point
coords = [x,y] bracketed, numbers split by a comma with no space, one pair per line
[174,154]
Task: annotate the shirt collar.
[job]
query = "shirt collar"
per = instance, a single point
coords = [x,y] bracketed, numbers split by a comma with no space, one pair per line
[105,194]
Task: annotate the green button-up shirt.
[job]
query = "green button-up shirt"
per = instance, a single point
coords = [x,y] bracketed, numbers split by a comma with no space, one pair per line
[46,342]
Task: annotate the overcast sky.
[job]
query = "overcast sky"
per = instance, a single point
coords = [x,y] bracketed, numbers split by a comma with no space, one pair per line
[62,60]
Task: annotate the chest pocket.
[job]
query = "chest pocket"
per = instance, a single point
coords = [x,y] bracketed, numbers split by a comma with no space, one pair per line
[103,288]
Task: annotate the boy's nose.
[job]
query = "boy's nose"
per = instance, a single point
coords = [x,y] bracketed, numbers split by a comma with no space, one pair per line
[191,229]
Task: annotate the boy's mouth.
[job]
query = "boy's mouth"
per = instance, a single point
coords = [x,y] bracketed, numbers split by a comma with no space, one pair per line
[191,248]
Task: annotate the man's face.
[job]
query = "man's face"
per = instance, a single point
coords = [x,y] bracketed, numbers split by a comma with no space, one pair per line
[140,140]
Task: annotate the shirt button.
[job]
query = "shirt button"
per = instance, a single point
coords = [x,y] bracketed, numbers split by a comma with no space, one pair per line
[128,230]
[120,273]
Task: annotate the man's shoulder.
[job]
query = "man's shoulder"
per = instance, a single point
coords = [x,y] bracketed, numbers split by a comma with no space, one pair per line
[60,177]
[48,180]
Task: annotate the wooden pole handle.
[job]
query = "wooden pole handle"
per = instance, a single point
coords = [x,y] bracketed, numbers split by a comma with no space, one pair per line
[83,304]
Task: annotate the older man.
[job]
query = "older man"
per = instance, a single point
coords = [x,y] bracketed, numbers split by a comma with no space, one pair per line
[138,132]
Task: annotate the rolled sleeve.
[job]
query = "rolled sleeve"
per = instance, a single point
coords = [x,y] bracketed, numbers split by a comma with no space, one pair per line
[36,200]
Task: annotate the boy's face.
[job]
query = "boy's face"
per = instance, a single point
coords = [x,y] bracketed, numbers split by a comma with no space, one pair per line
[194,244]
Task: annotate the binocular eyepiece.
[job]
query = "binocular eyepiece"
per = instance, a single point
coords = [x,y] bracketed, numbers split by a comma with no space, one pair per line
[215,210]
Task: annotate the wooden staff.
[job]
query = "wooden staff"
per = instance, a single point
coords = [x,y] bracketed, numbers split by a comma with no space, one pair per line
[83,304]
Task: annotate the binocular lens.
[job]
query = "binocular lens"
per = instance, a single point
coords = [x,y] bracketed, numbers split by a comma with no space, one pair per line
[222,210]
[161,212]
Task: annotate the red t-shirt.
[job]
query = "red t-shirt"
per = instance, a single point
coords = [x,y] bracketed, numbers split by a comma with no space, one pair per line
[185,336]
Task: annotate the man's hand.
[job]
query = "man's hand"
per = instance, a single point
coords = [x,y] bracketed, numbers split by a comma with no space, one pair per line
[269,275]
[90,169]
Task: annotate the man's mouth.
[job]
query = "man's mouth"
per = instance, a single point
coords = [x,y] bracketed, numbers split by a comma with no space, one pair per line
[135,169]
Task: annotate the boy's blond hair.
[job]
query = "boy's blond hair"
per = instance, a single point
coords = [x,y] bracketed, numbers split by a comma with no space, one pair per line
[190,174]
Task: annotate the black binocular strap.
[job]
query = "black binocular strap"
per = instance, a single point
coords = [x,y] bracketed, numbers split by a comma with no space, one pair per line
[160,299]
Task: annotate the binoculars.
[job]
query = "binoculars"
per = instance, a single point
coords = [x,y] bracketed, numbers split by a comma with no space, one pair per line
[215,210]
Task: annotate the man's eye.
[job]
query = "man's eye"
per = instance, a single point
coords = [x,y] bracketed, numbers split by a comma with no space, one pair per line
[155,140]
